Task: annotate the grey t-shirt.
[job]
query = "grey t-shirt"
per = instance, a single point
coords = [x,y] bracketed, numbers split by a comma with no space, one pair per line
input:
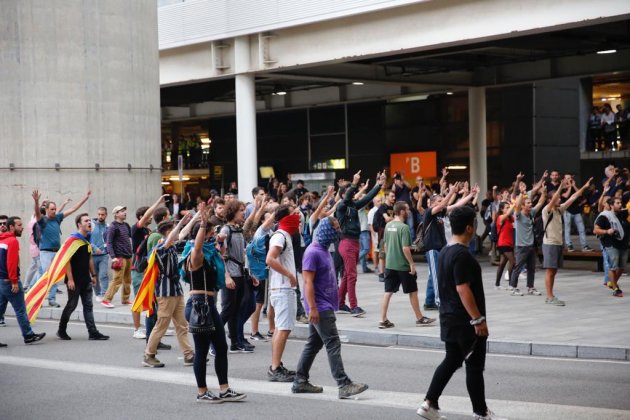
[235,243]
[524,227]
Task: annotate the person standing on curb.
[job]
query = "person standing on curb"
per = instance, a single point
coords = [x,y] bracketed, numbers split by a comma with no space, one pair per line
[119,249]
[99,252]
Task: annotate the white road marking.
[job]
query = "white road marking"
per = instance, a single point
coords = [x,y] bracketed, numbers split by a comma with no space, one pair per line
[402,400]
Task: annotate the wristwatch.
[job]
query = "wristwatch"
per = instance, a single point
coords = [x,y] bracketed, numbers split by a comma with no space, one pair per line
[478,321]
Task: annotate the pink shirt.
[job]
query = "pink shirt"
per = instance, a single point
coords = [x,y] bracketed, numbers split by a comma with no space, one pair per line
[33,249]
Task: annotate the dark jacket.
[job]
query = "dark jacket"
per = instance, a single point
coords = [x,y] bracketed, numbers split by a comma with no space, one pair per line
[348,211]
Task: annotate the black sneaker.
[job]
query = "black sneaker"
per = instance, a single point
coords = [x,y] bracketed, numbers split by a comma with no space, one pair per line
[306,388]
[287,371]
[351,389]
[209,398]
[2,345]
[257,337]
[34,338]
[162,346]
[280,375]
[433,307]
[248,344]
[343,309]
[63,335]
[357,312]
[381,277]
[270,334]
[98,336]
[231,395]
[236,348]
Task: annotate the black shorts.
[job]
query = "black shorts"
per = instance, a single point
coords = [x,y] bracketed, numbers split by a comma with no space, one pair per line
[504,249]
[260,292]
[394,278]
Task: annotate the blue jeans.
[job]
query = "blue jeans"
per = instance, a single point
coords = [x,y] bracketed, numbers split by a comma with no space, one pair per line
[34,272]
[45,258]
[432,294]
[101,265]
[410,223]
[17,302]
[606,264]
[364,248]
[579,223]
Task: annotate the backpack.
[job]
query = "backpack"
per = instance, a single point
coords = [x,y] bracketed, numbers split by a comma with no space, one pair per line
[256,252]
[36,234]
[421,232]
[140,257]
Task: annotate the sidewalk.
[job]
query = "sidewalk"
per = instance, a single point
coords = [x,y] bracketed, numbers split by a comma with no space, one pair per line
[592,325]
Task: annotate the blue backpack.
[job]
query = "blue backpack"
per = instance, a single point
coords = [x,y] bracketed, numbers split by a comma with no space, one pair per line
[256,252]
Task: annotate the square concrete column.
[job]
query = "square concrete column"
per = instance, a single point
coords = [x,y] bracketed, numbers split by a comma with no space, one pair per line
[477,138]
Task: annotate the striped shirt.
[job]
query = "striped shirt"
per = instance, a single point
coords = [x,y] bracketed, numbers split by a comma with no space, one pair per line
[119,240]
[168,283]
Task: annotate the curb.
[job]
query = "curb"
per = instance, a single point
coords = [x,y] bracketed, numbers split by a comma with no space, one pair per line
[375,338]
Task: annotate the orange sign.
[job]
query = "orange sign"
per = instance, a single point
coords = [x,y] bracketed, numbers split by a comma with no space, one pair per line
[413,164]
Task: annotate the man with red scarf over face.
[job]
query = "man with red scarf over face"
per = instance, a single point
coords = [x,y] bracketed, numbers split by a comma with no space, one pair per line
[348,216]
[282,284]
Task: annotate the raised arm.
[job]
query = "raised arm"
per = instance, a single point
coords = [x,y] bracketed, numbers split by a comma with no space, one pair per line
[541,199]
[173,236]
[36,213]
[196,256]
[146,219]
[380,180]
[186,229]
[78,205]
[443,204]
[556,195]
[330,191]
[575,195]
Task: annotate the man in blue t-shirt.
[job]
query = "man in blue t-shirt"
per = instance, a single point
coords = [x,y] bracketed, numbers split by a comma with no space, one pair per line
[50,242]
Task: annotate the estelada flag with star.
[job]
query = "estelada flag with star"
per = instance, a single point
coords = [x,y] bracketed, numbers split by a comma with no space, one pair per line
[56,273]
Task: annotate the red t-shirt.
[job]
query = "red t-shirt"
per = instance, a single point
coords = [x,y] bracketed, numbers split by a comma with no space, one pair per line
[506,232]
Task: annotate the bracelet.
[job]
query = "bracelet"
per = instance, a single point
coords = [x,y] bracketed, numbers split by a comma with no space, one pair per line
[478,321]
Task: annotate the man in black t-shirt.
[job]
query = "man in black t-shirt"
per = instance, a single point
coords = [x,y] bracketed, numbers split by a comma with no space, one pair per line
[80,277]
[402,190]
[383,215]
[462,318]
[613,230]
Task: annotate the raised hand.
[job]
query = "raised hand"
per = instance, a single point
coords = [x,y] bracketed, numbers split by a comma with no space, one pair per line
[36,195]
[356,178]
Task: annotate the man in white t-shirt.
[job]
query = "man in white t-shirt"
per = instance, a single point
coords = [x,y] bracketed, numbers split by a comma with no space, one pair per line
[282,285]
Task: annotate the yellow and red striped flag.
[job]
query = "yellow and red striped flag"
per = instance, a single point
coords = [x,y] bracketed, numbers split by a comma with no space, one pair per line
[35,296]
[146,293]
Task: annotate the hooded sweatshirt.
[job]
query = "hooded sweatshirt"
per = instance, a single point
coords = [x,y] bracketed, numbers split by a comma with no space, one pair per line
[9,257]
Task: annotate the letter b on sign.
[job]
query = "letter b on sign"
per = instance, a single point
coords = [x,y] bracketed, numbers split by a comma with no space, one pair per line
[415,165]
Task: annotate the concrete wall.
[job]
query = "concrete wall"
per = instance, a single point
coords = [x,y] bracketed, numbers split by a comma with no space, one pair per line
[79,85]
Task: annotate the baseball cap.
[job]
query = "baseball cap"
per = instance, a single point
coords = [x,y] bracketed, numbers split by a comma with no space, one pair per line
[118,208]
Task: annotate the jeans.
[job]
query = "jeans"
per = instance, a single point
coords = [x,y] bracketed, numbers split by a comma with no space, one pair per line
[606,264]
[364,248]
[455,355]
[85,293]
[231,301]
[432,294]
[525,258]
[410,223]
[45,258]
[17,302]
[101,266]
[579,223]
[349,251]
[33,269]
[246,310]
[202,346]
[320,334]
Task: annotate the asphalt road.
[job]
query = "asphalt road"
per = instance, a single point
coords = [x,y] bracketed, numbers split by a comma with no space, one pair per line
[84,379]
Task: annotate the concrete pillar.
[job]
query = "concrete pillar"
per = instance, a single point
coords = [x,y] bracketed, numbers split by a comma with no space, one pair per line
[246,149]
[79,86]
[477,138]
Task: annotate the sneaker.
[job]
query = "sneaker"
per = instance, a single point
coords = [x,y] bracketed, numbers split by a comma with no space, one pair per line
[106,303]
[385,324]
[151,361]
[570,248]
[357,312]
[98,298]
[351,389]
[432,307]
[488,416]
[424,321]
[288,371]
[248,346]
[497,287]
[212,352]
[3,345]
[63,335]
[139,334]
[381,277]
[269,334]
[189,360]
[169,333]
[618,293]
[367,270]
[555,301]
[427,412]
[236,348]
[609,285]
[3,324]
[587,249]
[257,337]
[53,304]
[281,374]
[343,309]
[208,397]
[302,319]
[231,395]
[98,336]
[516,292]
[306,388]
[533,291]
[34,338]
[162,346]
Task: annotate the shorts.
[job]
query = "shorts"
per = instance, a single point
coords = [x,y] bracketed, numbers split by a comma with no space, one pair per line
[552,256]
[374,237]
[616,258]
[260,292]
[381,249]
[285,308]
[394,278]
[136,281]
[504,249]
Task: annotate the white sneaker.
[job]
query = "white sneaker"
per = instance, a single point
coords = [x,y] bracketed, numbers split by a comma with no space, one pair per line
[506,276]
[489,416]
[516,292]
[533,291]
[427,412]
[139,334]
[98,298]
[169,332]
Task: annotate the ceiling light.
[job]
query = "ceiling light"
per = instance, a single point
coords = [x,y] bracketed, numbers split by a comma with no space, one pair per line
[457,167]
[280,93]
[357,83]
[604,99]
[176,178]
[166,183]
[205,140]
[606,52]
[449,93]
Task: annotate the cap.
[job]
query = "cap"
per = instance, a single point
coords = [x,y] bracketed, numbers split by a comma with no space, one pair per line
[118,208]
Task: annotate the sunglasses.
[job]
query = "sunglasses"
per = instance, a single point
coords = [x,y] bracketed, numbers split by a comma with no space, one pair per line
[3,223]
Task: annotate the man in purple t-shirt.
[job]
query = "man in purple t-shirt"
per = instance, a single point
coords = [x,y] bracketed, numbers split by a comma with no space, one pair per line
[320,302]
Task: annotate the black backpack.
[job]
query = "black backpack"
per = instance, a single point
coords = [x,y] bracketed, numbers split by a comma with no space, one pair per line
[140,257]
[36,234]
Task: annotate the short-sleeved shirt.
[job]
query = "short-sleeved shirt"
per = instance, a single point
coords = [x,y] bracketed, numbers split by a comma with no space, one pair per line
[456,266]
[379,219]
[51,232]
[506,232]
[433,225]
[524,228]
[277,280]
[318,259]
[403,194]
[235,251]
[363,220]
[608,241]
[397,236]
[370,215]
[553,234]
[80,263]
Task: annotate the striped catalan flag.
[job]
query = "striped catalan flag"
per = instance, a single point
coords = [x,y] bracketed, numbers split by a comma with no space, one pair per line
[56,273]
[146,293]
